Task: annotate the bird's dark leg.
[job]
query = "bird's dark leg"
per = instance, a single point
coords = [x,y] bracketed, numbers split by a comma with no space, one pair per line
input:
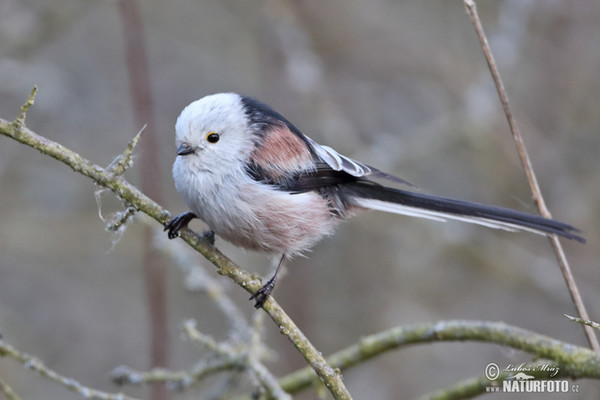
[264,292]
[180,221]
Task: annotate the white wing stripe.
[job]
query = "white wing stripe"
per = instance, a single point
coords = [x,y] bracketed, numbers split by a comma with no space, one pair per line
[440,216]
[340,162]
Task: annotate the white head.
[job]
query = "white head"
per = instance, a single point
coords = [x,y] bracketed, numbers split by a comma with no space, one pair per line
[214,131]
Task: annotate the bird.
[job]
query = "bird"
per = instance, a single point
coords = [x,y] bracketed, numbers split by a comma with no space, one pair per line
[258,182]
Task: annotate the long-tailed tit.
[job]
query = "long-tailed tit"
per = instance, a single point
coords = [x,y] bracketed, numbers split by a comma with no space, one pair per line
[261,184]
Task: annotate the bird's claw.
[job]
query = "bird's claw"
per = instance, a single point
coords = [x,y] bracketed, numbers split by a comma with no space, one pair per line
[180,221]
[263,293]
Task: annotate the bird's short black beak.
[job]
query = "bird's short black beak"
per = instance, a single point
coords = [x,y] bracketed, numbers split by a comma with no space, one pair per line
[184,150]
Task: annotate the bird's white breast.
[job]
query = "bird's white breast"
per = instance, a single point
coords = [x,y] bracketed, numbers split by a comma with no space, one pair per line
[253,215]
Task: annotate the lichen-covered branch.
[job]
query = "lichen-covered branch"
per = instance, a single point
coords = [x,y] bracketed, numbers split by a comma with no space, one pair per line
[589,323]
[38,366]
[574,361]
[131,195]
[266,379]
[198,278]
[7,391]
[472,387]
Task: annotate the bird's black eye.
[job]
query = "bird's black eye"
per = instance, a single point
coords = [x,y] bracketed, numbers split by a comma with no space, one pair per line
[212,137]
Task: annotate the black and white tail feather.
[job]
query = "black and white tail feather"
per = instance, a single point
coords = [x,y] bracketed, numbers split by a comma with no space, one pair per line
[351,180]
[441,209]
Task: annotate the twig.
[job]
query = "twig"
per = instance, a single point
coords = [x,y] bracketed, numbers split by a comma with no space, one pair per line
[19,122]
[36,365]
[119,165]
[129,193]
[175,380]
[574,361]
[230,357]
[243,336]
[592,324]
[244,349]
[472,387]
[8,392]
[464,389]
[198,278]
[266,379]
[529,172]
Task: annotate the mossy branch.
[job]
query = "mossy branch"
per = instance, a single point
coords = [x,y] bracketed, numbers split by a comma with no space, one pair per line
[7,391]
[574,362]
[472,387]
[107,178]
[38,366]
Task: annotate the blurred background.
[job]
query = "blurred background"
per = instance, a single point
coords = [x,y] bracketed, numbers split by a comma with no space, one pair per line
[400,85]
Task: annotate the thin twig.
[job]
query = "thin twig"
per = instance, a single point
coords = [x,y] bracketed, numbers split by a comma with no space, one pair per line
[266,379]
[19,122]
[243,351]
[197,278]
[592,324]
[38,366]
[529,172]
[231,356]
[7,391]
[123,161]
[175,380]
[472,387]
[465,389]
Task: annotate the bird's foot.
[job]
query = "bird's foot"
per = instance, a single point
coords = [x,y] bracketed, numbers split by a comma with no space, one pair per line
[180,221]
[263,293]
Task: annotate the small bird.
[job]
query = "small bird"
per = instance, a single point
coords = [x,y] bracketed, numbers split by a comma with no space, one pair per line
[261,184]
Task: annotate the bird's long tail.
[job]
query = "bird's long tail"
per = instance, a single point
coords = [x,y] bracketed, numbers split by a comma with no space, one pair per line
[439,208]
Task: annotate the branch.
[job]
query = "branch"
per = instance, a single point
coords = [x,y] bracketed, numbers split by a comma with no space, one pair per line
[35,364]
[8,392]
[230,357]
[130,194]
[473,387]
[267,380]
[197,278]
[574,361]
[592,324]
[242,351]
